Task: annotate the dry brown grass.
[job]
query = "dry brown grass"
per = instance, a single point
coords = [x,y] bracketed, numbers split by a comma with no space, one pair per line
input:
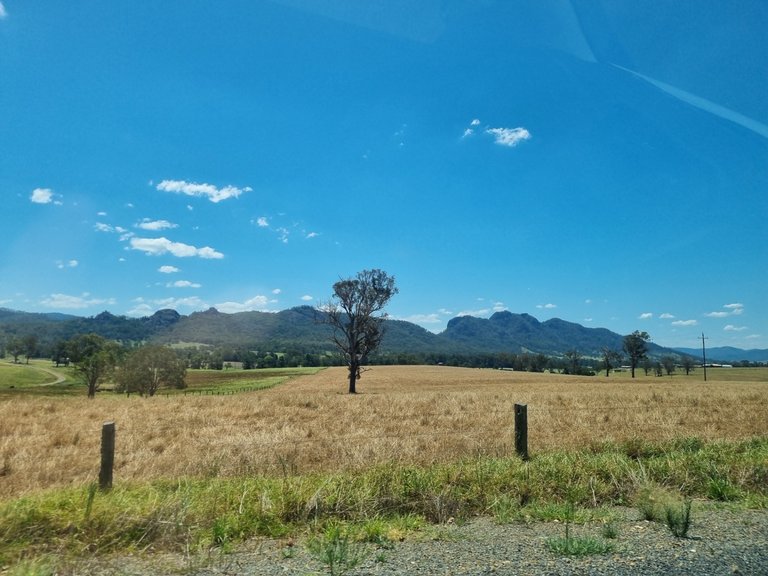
[413,415]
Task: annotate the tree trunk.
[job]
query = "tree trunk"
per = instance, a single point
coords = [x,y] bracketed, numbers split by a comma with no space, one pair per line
[353,371]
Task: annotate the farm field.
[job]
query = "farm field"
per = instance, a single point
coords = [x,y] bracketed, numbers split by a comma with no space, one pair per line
[403,415]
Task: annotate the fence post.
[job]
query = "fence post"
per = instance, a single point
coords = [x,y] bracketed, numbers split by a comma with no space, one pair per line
[521,430]
[107,455]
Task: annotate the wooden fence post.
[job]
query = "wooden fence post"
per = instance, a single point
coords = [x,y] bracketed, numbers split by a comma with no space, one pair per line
[521,430]
[107,455]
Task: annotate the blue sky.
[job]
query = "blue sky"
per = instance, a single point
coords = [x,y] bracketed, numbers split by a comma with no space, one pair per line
[601,162]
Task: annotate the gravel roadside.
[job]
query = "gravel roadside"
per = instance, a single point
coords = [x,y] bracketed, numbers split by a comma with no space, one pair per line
[720,542]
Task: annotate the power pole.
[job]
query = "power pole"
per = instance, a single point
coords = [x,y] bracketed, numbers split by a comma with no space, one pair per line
[704,355]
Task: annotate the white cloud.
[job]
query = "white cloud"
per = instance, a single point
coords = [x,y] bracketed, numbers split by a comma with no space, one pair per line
[41,196]
[183,284]
[645,316]
[3,11]
[546,306]
[68,264]
[147,224]
[732,328]
[160,246]
[734,309]
[307,298]
[312,235]
[276,291]
[262,222]
[508,136]
[433,318]
[718,314]
[499,307]
[257,303]
[168,269]
[471,129]
[666,316]
[146,308]
[477,313]
[101,227]
[685,323]
[74,302]
[209,191]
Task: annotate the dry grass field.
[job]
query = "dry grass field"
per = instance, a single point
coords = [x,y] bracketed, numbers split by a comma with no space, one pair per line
[418,415]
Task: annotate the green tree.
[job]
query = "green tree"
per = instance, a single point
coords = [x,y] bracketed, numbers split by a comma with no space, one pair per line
[15,348]
[356,315]
[609,360]
[29,343]
[636,347]
[60,353]
[145,370]
[688,364]
[573,359]
[94,358]
[647,365]
[668,362]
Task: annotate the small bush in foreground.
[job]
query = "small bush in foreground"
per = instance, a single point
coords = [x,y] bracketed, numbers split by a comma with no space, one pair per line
[578,546]
[337,550]
[678,518]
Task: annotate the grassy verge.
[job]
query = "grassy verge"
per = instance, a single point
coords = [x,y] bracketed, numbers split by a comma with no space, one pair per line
[379,505]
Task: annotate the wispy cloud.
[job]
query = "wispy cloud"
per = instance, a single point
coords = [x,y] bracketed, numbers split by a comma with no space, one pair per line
[734,309]
[68,264]
[168,269]
[3,11]
[433,318]
[262,222]
[147,224]
[549,306]
[510,137]
[66,301]
[183,284]
[470,130]
[101,227]
[160,246]
[43,196]
[209,191]
[645,316]
[685,323]
[477,313]
[666,316]
[307,298]
[142,307]
[257,303]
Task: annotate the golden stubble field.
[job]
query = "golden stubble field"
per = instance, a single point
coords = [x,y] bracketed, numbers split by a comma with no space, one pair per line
[409,415]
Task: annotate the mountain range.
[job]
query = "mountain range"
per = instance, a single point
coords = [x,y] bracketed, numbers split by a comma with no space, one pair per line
[303,328]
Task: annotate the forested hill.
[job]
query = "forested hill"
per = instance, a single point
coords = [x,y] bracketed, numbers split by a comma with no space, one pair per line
[302,329]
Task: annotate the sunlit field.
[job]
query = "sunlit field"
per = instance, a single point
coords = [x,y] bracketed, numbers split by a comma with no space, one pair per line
[408,415]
